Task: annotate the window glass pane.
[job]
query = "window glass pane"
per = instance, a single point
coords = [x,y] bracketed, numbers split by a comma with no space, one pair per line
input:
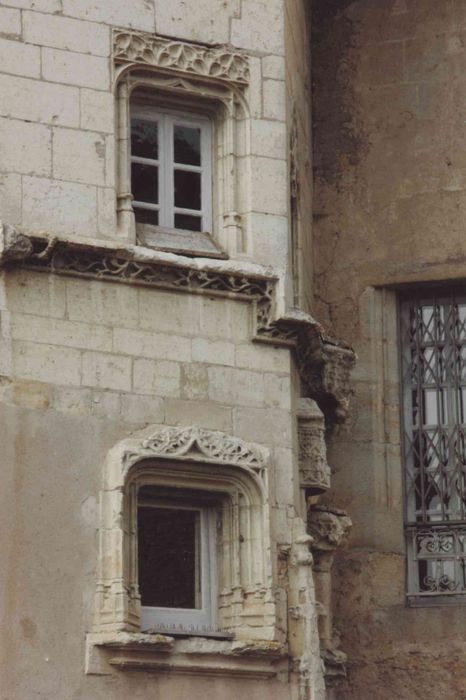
[168,554]
[187,190]
[146,216]
[187,222]
[144,183]
[144,139]
[187,145]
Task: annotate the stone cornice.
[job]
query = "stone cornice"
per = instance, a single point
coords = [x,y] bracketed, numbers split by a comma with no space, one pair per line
[212,62]
[324,364]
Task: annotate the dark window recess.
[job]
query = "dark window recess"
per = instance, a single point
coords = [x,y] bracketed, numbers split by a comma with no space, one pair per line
[144,139]
[146,216]
[187,190]
[187,145]
[187,222]
[144,179]
[168,555]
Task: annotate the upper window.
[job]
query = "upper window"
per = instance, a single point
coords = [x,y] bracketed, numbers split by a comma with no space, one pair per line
[433,327]
[171,169]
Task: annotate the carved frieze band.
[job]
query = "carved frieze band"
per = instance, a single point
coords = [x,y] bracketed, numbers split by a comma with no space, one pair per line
[324,365]
[147,49]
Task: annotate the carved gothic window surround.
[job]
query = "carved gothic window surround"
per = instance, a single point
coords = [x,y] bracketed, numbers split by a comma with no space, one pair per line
[204,461]
[209,80]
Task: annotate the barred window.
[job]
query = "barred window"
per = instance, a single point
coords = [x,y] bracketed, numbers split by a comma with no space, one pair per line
[433,343]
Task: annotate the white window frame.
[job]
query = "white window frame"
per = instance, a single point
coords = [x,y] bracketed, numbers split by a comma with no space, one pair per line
[189,620]
[166,121]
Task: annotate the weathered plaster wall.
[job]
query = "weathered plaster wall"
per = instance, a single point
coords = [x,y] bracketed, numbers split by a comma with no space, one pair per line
[389,202]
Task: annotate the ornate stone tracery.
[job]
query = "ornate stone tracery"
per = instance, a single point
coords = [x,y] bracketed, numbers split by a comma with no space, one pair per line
[193,442]
[219,62]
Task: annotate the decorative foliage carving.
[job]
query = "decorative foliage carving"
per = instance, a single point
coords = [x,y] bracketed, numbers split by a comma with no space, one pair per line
[324,365]
[148,49]
[191,442]
[314,472]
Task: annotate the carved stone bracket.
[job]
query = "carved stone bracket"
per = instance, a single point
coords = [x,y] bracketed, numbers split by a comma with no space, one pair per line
[219,62]
[314,471]
[324,365]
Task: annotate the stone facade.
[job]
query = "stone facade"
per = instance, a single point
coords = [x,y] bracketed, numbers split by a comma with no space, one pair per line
[123,365]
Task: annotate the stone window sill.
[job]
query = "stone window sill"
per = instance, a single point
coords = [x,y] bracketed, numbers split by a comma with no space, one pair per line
[112,651]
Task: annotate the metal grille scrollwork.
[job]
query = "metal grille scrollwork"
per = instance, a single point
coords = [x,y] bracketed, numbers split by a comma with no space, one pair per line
[433,327]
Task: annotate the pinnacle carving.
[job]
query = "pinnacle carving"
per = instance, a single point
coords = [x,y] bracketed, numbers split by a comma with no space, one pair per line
[314,471]
[211,62]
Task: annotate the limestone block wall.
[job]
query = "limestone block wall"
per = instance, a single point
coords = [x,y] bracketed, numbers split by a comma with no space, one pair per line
[389,204]
[57,117]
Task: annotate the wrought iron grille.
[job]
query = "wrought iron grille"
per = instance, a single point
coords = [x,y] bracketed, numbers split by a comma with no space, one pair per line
[433,348]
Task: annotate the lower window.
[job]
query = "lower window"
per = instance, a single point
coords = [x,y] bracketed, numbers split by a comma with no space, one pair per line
[177,566]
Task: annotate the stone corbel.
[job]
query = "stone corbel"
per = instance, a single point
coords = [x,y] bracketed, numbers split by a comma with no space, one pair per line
[323,363]
[327,368]
[314,471]
[329,528]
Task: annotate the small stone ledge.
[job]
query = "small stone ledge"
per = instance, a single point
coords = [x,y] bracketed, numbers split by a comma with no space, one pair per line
[111,651]
[323,363]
